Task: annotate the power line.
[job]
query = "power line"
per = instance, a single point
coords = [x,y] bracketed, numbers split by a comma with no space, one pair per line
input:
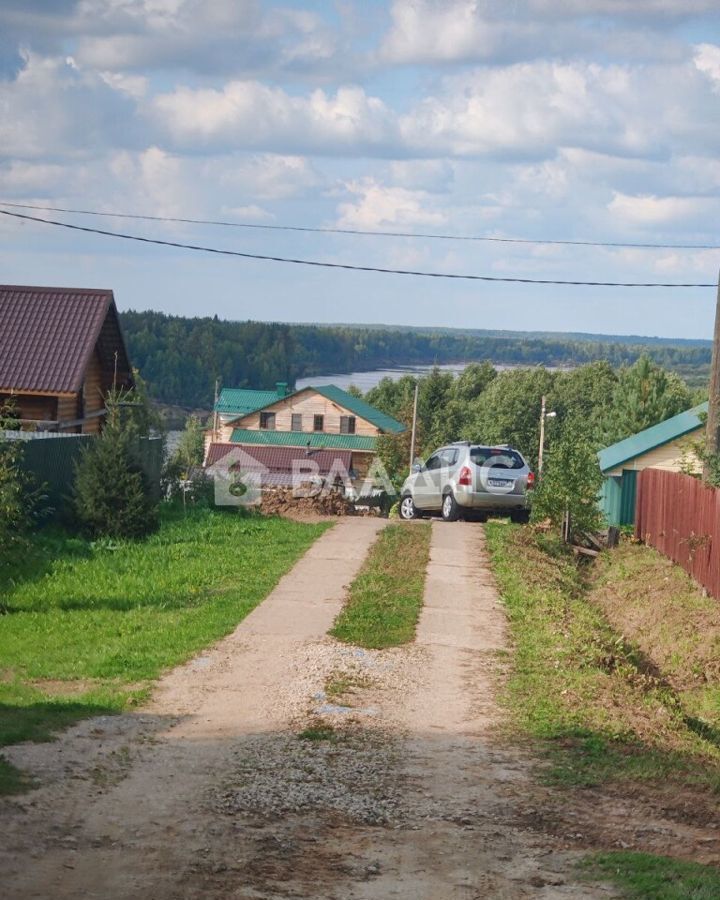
[359,231]
[347,266]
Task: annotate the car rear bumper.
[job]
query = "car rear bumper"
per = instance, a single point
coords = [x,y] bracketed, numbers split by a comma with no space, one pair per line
[491,502]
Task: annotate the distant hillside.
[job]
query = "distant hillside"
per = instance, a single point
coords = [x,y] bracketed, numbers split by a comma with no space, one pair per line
[180,357]
[635,339]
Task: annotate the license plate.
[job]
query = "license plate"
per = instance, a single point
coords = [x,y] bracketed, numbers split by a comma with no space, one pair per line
[498,482]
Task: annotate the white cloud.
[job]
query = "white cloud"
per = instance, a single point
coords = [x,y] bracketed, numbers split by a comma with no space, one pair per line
[707,59]
[425,30]
[203,36]
[266,176]
[651,210]
[52,108]
[533,109]
[442,31]
[249,114]
[380,206]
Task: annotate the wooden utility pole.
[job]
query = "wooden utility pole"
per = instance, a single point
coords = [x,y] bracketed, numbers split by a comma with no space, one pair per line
[713,419]
[414,426]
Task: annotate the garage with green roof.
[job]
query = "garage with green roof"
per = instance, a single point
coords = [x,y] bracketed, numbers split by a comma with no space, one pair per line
[667,445]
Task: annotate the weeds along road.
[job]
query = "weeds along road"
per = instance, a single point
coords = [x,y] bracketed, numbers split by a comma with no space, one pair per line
[283,764]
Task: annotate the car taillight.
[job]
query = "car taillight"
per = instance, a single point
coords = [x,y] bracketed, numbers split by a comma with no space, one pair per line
[531,479]
[465,476]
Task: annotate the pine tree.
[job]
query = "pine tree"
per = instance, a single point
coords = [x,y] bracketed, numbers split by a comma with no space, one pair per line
[645,395]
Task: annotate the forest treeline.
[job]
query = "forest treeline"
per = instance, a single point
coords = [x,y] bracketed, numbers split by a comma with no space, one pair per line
[180,358]
[594,405]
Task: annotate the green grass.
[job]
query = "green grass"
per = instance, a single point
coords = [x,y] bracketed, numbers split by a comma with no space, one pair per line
[87,627]
[12,780]
[582,691]
[385,599]
[643,876]
[318,731]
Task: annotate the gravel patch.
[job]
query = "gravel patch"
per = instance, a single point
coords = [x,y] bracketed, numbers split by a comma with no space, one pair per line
[351,774]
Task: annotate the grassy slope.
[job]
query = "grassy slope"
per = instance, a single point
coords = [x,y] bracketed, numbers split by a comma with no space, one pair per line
[579,687]
[642,876]
[386,597]
[677,628]
[93,624]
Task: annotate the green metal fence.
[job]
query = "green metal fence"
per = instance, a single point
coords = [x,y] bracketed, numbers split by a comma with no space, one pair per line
[50,459]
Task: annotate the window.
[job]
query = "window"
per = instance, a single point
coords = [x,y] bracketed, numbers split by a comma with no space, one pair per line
[318,423]
[296,422]
[267,421]
[347,424]
[435,462]
[450,457]
[496,457]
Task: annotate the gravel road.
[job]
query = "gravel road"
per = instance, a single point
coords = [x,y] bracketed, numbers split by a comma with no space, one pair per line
[281,764]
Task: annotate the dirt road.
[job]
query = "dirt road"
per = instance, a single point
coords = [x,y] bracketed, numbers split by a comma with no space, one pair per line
[282,764]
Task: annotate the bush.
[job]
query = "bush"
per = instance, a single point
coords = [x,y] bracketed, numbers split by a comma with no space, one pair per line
[18,502]
[571,482]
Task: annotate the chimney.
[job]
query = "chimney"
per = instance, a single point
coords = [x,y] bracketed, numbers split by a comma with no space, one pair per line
[281,388]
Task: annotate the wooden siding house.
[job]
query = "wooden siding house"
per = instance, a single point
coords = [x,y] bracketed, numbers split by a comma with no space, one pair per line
[313,419]
[666,445]
[61,351]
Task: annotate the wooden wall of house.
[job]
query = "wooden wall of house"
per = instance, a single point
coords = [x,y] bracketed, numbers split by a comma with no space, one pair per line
[33,407]
[672,457]
[308,404]
[69,411]
[93,395]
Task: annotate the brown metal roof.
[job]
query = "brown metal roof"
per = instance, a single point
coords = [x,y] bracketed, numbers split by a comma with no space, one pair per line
[279,460]
[47,336]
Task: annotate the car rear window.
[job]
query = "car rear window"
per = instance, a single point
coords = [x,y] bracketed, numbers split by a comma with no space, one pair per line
[496,457]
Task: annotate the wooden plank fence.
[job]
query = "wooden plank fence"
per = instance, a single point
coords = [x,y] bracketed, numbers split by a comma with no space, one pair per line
[680,516]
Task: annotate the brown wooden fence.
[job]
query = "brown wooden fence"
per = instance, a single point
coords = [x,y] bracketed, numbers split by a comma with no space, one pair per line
[680,517]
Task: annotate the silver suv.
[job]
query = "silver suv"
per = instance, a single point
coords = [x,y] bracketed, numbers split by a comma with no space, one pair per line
[462,477]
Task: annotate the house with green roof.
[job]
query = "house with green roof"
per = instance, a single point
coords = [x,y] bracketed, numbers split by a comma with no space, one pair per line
[312,418]
[234,402]
[662,446]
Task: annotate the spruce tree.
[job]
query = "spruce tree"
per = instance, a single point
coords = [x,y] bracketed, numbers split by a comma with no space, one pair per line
[112,497]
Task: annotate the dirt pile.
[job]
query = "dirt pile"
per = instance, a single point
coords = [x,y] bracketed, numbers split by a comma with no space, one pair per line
[285,501]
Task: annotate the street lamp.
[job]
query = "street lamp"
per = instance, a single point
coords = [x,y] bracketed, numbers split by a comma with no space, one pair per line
[543,415]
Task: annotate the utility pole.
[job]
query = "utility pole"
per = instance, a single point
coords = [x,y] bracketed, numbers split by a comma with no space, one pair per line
[543,416]
[542,436]
[215,414]
[713,419]
[414,426]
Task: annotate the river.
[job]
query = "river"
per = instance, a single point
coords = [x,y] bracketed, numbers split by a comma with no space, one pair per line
[367,380]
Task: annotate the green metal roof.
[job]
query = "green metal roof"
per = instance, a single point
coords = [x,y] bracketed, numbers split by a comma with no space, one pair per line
[241,402]
[315,440]
[655,436]
[362,409]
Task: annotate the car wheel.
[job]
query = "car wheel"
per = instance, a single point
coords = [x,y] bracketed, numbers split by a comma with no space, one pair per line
[450,509]
[522,516]
[408,510]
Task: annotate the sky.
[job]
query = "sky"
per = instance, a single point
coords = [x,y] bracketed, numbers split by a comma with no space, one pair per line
[585,120]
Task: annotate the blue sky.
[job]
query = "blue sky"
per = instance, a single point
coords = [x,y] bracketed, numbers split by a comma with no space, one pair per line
[560,119]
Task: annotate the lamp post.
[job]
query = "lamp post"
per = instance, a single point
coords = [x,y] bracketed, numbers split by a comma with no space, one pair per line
[543,415]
